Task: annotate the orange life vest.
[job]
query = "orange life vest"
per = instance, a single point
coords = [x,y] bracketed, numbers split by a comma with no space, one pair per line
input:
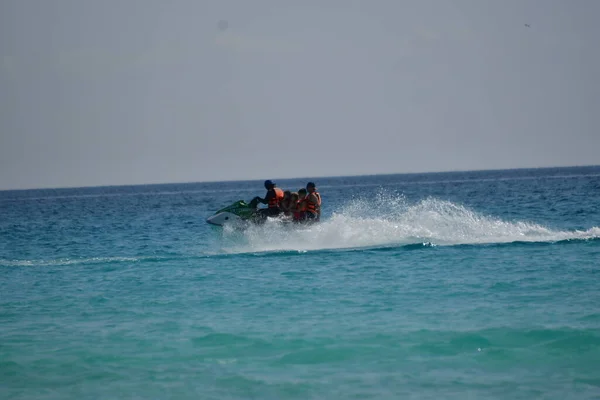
[300,210]
[274,201]
[314,208]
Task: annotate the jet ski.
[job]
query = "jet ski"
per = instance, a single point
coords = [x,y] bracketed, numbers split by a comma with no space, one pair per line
[236,214]
[240,214]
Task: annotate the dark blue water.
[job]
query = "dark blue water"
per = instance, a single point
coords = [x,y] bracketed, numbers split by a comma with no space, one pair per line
[449,285]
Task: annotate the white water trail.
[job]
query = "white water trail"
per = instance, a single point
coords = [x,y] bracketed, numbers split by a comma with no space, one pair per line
[390,221]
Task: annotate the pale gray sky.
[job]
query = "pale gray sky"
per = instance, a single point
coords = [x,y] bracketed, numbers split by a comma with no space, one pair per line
[146,91]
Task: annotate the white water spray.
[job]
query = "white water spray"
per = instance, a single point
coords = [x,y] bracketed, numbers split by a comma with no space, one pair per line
[392,221]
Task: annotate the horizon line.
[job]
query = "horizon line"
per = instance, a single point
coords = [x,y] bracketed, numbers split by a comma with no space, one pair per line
[301,177]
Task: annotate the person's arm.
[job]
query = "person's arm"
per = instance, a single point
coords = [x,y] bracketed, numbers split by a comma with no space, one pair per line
[269,195]
[315,199]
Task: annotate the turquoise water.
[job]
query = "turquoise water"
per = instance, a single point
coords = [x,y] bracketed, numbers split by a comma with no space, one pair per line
[482,285]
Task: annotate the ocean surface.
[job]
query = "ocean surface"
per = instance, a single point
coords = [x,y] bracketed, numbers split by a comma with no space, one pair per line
[463,285]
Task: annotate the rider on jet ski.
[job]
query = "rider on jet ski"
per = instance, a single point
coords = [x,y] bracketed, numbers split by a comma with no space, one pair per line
[272,198]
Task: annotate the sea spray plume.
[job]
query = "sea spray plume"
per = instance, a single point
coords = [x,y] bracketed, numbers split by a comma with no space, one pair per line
[388,219]
[449,223]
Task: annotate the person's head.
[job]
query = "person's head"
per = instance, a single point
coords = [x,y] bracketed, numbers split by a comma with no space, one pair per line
[302,193]
[294,196]
[287,194]
[269,184]
[310,187]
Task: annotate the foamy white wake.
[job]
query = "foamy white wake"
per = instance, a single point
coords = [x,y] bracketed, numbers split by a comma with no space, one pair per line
[391,221]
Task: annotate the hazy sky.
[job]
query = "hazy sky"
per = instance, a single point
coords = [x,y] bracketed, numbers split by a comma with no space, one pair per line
[146,91]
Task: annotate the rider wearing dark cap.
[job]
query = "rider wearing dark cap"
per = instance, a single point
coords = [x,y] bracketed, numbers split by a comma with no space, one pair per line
[272,198]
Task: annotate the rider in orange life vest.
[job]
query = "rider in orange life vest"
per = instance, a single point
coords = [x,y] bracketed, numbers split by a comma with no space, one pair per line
[286,204]
[299,210]
[273,197]
[313,203]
